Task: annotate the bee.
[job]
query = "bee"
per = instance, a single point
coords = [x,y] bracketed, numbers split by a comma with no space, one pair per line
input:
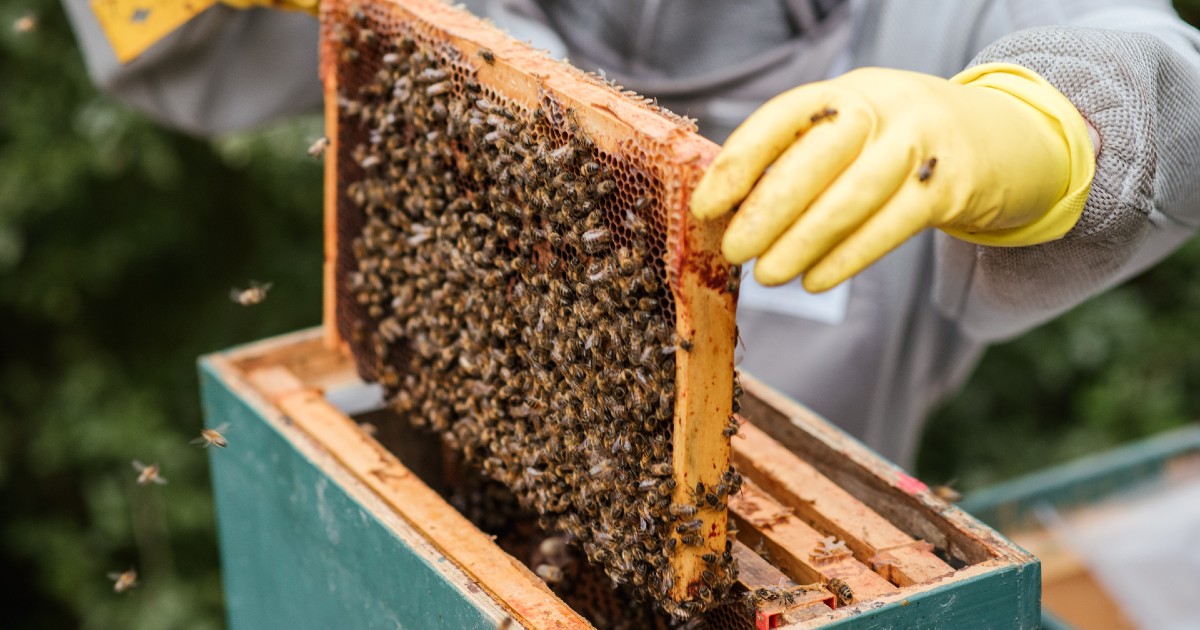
[709,558]
[148,474]
[946,492]
[692,540]
[824,114]
[505,624]
[317,148]
[682,510]
[487,55]
[926,169]
[732,427]
[25,24]
[549,573]
[251,295]
[212,437]
[661,469]
[689,526]
[123,581]
[841,590]
[766,595]
[553,547]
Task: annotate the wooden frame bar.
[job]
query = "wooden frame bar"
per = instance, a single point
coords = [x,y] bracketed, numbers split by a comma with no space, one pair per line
[822,504]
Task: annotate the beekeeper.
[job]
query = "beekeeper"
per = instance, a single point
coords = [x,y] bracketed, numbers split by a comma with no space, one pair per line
[1053,147]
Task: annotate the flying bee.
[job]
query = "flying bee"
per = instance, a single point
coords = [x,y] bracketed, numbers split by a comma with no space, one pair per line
[487,55]
[842,590]
[123,581]
[212,437]
[251,295]
[926,169]
[946,492]
[317,148]
[25,24]
[148,474]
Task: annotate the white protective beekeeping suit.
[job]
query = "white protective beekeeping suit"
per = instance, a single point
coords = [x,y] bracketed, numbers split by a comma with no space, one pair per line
[875,354]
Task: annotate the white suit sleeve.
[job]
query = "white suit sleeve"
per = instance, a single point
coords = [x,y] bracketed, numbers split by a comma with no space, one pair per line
[1134,74]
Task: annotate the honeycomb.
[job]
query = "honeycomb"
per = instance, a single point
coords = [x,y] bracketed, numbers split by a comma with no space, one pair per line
[515,275]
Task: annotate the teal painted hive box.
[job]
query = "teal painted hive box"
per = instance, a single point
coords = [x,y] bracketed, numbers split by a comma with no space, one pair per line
[334,513]
[1103,528]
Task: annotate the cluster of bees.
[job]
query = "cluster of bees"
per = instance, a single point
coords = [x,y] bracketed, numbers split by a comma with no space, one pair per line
[510,277]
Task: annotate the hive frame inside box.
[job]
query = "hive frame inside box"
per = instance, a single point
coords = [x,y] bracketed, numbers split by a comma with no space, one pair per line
[704,305]
[351,534]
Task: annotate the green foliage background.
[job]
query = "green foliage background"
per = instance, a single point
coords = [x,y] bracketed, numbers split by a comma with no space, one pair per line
[120,240]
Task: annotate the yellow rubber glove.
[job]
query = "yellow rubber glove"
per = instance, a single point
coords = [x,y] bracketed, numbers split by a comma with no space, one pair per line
[838,173]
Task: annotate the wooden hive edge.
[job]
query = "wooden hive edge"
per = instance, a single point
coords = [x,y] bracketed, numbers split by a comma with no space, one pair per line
[305,351]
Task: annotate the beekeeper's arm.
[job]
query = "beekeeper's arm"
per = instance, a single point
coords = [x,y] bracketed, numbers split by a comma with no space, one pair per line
[225,69]
[833,175]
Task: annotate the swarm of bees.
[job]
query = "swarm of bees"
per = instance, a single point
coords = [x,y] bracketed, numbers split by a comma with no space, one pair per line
[511,284]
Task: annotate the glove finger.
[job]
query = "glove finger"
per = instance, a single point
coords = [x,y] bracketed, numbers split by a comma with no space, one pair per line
[903,217]
[791,184]
[761,138]
[856,195]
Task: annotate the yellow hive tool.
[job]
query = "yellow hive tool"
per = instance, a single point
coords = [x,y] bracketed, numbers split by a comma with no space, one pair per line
[132,26]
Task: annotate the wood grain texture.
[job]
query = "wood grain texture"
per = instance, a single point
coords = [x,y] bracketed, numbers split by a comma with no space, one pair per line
[822,504]
[511,582]
[790,543]
[305,545]
[879,484]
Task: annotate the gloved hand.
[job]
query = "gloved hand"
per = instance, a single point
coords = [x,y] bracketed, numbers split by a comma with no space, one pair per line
[836,174]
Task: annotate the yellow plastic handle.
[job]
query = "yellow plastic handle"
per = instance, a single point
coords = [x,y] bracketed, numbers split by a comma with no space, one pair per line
[132,26]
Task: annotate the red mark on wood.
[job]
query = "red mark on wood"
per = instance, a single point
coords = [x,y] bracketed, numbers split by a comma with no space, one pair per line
[911,485]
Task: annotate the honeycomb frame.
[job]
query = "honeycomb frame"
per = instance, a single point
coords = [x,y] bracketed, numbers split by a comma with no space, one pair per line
[669,153]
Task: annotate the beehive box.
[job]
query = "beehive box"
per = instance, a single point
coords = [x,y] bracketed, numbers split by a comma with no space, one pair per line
[326,522]
[1126,495]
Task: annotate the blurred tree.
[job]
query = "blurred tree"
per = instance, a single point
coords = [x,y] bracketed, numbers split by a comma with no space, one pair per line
[120,240]
[119,243]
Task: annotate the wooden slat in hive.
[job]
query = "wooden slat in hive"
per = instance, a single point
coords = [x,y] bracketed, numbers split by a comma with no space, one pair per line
[666,151]
[828,508]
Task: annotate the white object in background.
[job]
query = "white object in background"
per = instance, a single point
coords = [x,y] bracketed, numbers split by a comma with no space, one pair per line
[1146,554]
[791,299]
